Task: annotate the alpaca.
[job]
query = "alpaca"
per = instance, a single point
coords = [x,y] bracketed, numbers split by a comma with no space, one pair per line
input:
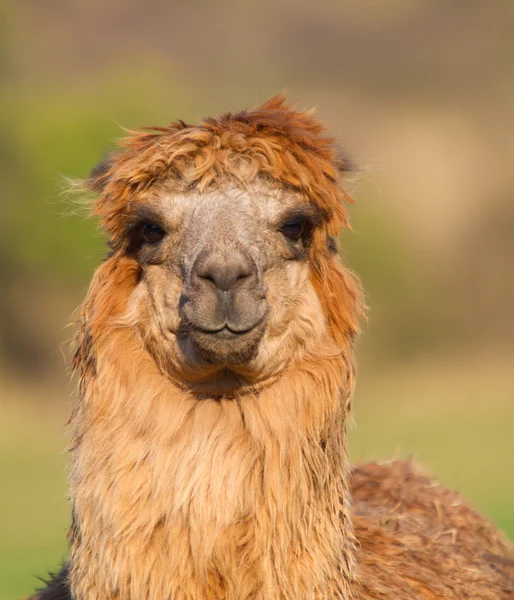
[215,361]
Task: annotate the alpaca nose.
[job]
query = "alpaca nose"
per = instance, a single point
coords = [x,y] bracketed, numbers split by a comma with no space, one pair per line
[224,270]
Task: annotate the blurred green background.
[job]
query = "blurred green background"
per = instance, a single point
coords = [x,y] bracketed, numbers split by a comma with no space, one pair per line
[419,92]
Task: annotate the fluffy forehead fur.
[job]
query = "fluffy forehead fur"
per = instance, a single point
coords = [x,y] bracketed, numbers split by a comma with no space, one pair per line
[273,141]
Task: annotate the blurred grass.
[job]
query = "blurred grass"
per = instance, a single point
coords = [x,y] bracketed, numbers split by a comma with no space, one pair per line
[460,427]
[33,509]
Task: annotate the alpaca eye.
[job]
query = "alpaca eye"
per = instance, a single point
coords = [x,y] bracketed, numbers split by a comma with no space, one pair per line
[293,230]
[150,233]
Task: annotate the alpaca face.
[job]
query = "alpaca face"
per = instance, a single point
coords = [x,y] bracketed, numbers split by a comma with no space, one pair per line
[224,286]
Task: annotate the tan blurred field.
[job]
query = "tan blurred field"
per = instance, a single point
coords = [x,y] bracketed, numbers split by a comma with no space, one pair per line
[420,94]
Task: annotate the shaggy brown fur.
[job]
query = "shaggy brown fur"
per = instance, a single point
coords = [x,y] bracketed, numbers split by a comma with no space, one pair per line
[417,539]
[181,494]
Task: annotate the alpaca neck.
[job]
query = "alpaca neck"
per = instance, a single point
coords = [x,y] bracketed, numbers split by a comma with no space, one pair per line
[176,497]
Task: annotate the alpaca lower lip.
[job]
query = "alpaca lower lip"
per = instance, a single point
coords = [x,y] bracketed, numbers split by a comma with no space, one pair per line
[225,345]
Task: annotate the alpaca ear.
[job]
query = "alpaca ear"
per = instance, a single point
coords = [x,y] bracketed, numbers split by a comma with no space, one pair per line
[100,175]
[344,164]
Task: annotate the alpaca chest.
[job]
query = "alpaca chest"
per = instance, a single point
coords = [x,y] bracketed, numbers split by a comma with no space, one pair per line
[207,513]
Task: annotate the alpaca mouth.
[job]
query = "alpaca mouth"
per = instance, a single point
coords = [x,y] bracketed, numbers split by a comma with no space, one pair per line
[228,344]
[227,332]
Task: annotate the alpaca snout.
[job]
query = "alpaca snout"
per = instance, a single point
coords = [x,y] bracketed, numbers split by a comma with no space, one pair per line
[224,292]
[224,306]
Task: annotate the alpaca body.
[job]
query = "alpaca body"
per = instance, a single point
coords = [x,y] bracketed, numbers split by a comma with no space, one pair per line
[215,356]
[417,539]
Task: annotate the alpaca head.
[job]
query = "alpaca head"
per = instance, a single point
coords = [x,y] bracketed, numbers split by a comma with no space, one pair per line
[223,236]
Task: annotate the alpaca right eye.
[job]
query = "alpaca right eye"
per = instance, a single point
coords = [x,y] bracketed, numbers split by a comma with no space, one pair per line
[293,230]
[151,233]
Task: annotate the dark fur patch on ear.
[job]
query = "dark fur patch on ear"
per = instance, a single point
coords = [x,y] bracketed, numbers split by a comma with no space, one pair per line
[332,245]
[344,163]
[98,177]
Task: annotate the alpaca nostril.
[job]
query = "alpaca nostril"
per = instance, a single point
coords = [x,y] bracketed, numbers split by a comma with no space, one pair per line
[222,270]
[206,276]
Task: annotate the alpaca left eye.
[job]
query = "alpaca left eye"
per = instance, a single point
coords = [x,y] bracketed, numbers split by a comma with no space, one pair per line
[293,230]
[150,233]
